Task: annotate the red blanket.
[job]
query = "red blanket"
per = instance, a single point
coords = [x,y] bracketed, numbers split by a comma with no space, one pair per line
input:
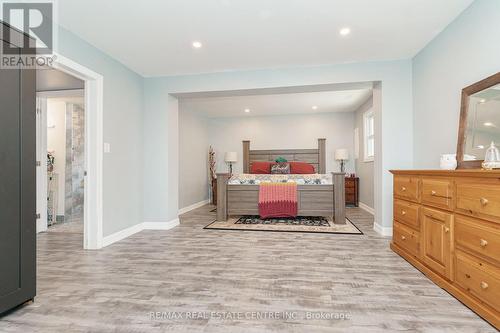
[277,200]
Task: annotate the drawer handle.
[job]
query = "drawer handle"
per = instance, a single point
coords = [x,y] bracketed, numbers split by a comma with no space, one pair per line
[484,285]
[403,237]
[403,188]
[483,201]
[403,212]
[435,217]
[435,194]
[483,242]
[446,229]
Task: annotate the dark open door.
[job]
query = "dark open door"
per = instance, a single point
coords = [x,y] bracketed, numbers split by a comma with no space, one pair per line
[17,185]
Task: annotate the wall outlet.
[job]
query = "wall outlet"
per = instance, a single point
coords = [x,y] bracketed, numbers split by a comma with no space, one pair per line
[107,147]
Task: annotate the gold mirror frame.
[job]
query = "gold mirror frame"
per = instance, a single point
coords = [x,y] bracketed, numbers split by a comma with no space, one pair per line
[464,109]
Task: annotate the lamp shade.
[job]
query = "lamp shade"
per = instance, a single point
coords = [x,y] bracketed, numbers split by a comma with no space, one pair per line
[231,156]
[341,154]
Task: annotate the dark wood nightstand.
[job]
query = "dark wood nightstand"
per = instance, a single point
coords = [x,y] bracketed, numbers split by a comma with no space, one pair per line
[352,191]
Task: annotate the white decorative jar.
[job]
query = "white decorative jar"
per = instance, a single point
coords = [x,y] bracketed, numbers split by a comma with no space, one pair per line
[448,162]
[491,158]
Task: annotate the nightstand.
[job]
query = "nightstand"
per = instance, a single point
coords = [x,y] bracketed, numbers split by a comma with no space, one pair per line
[352,191]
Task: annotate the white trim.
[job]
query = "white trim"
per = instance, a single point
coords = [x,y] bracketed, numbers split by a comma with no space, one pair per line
[384,231]
[160,225]
[61,93]
[193,206]
[122,234]
[41,171]
[94,94]
[367,208]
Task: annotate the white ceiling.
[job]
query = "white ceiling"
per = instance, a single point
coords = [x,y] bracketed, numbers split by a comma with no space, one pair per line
[277,104]
[154,37]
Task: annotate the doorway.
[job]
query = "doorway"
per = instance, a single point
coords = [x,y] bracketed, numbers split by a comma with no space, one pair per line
[90,157]
[61,150]
[223,111]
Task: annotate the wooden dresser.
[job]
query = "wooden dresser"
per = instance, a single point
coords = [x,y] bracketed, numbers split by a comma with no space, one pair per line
[352,191]
[447,225]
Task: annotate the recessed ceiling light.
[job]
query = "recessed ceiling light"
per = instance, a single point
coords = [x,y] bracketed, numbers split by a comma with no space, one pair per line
[314,107]
[196,44]
[345,31]
[247,110]
[488,124]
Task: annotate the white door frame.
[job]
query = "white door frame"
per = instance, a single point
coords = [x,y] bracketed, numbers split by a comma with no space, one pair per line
[93,207]
[41,157]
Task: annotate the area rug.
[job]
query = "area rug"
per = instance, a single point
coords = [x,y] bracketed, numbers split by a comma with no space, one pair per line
[323,225]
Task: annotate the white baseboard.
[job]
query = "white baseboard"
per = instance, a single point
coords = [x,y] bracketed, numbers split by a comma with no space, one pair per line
[193,206]
[384,231]
[122,234]
[160,225]
[367,208]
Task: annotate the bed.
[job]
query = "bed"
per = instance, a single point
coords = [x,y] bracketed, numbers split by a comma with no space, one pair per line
[323,196]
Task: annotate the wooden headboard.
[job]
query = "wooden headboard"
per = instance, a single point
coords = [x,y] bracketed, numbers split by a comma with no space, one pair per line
[316,157]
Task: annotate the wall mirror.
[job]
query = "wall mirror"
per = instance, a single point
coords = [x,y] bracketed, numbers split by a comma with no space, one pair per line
[479,121]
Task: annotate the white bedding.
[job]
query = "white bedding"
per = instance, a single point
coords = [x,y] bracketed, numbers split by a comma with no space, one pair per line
[255,179]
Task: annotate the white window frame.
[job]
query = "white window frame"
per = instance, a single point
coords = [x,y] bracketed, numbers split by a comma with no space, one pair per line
[367,117]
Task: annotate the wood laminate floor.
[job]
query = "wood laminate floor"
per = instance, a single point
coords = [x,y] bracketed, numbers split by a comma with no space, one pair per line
[224,279]
[68,227]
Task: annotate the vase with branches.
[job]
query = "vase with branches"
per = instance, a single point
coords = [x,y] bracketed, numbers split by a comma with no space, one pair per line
[212,161]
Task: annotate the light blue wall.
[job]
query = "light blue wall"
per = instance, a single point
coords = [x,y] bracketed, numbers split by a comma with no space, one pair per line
[467,51]
[123,117]
[141,118]
[160,121]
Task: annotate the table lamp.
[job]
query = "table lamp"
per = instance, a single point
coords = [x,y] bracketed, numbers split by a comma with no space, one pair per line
[231,157]
[342,155]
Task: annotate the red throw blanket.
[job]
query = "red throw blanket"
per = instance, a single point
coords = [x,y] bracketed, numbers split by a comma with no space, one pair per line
[277,200]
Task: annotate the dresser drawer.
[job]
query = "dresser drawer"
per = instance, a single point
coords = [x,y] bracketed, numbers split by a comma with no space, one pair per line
[349,183]
[479,197]
[476,236]
[406,238]
[437,192]
[407,213]
[407,187]
[350,190]
[479,278]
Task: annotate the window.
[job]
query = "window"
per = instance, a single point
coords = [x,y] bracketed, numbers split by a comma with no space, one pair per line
[369,135]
